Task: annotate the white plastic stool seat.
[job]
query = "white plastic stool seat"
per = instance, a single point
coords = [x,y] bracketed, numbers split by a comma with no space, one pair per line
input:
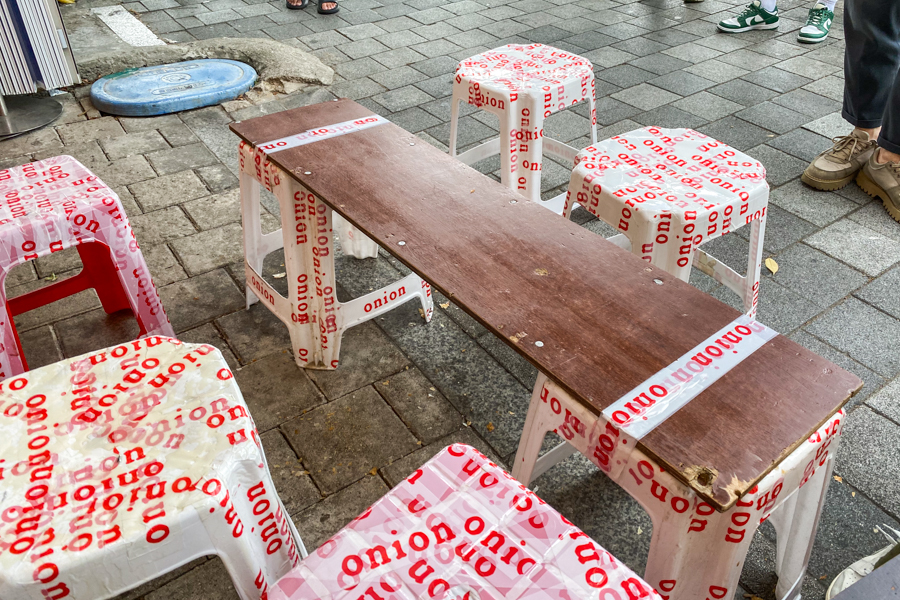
[314,316]
[669,191]
[523,85]
[121,465]
[460,528]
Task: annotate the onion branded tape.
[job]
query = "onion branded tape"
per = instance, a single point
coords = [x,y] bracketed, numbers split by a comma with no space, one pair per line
[644,408]
[321,133]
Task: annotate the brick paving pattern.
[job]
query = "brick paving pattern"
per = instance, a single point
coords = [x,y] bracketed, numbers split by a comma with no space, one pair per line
[658,62]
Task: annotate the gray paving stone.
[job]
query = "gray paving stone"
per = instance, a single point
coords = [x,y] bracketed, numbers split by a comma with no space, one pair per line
[345,439]
[439,65]
[165,191]
[88,131]
[436,87]
[780,167]
[801,143]
[398,58]
[874,217]
[866,334]
[715,70]
[625,75]
[40,347]
[208,581]
[135,143]
[774,117]
[162,264]
[217,178]
[692,52]
[831,87]
[362,48]
[420,405]
[867,457]
[858,246]
[161,226]
[125,171]
[254,333]
[610,57]
[808,103]
[807,67]
[324,519]
[749,60]
[830,126]
[208,334]
[367,356]
[200,299]
[779,307]
[884,293]
[358,88]
[398,470]
[89,154]
[645,96]
[295,488]
[277,390]
[58,262]
[641,46]
[709,106]
[94,330]
[210,249]
[815,275]
[360,32]
[776,79]
[871,380]
[815,206]
[215,211]
[736,132]
[178,134]
[359,68]
[402,98]
[743,92]
[669,116]
[683,84]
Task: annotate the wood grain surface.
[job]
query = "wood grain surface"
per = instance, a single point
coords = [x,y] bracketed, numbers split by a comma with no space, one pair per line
[605,322]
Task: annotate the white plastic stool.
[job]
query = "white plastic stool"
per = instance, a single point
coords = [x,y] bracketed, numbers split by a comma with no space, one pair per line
[312,313]
[460,528]
[523,85]
[54,204]
[125,464]
[695,552]
[671,190]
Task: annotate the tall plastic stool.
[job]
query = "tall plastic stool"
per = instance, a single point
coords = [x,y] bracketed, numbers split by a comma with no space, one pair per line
[54,204]
[523,85]
[460,528]
[671,190]
[125,464]
[695,551]
[312,313]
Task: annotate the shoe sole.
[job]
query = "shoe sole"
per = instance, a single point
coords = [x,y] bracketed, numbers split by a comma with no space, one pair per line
[750,28]
[873,189]
[827,186]
[804,40]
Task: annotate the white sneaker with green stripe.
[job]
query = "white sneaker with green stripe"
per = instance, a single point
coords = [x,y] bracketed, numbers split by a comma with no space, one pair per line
[818,24]
[753,17]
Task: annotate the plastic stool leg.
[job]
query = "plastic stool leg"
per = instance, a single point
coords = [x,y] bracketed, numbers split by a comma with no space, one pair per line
[754,265]
[104,277]
[454,120]
[250,215]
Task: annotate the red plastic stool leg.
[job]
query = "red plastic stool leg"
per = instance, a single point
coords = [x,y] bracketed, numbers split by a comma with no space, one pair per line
[12,323]
[103,276]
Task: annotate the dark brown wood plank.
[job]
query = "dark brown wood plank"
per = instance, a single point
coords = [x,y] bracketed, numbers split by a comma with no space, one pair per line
[605,324]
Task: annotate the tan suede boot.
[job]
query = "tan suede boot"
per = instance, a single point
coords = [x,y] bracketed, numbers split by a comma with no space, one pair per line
[882,180]
[837,166]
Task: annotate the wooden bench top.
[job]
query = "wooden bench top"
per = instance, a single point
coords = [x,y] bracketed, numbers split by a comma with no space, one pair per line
[606,326]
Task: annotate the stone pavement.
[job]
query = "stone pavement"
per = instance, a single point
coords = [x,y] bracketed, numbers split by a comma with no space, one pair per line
[657,62]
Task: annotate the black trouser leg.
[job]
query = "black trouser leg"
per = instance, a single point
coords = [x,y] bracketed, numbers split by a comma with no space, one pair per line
[872,68]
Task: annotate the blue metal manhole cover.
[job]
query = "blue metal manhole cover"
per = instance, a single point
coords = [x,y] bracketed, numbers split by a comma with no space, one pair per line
[171,88]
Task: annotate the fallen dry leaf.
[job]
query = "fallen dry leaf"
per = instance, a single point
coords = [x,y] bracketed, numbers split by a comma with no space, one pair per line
[513,339]
[541,272]
[490,426]
[279,275]
[445,305]
[772,265]
[374,471]
[839,479]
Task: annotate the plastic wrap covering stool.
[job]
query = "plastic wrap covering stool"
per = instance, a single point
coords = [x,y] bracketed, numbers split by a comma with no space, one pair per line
[695,552]
[671,190]
[460,528]
[312,313]
[124,464]
[54,204]
[523,85]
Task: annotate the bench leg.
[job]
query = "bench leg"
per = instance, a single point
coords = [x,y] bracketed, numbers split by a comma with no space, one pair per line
[754,265]
[532,436]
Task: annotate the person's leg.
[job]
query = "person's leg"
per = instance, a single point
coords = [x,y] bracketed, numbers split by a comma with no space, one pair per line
[871,62]
[818,22]
[759,14]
